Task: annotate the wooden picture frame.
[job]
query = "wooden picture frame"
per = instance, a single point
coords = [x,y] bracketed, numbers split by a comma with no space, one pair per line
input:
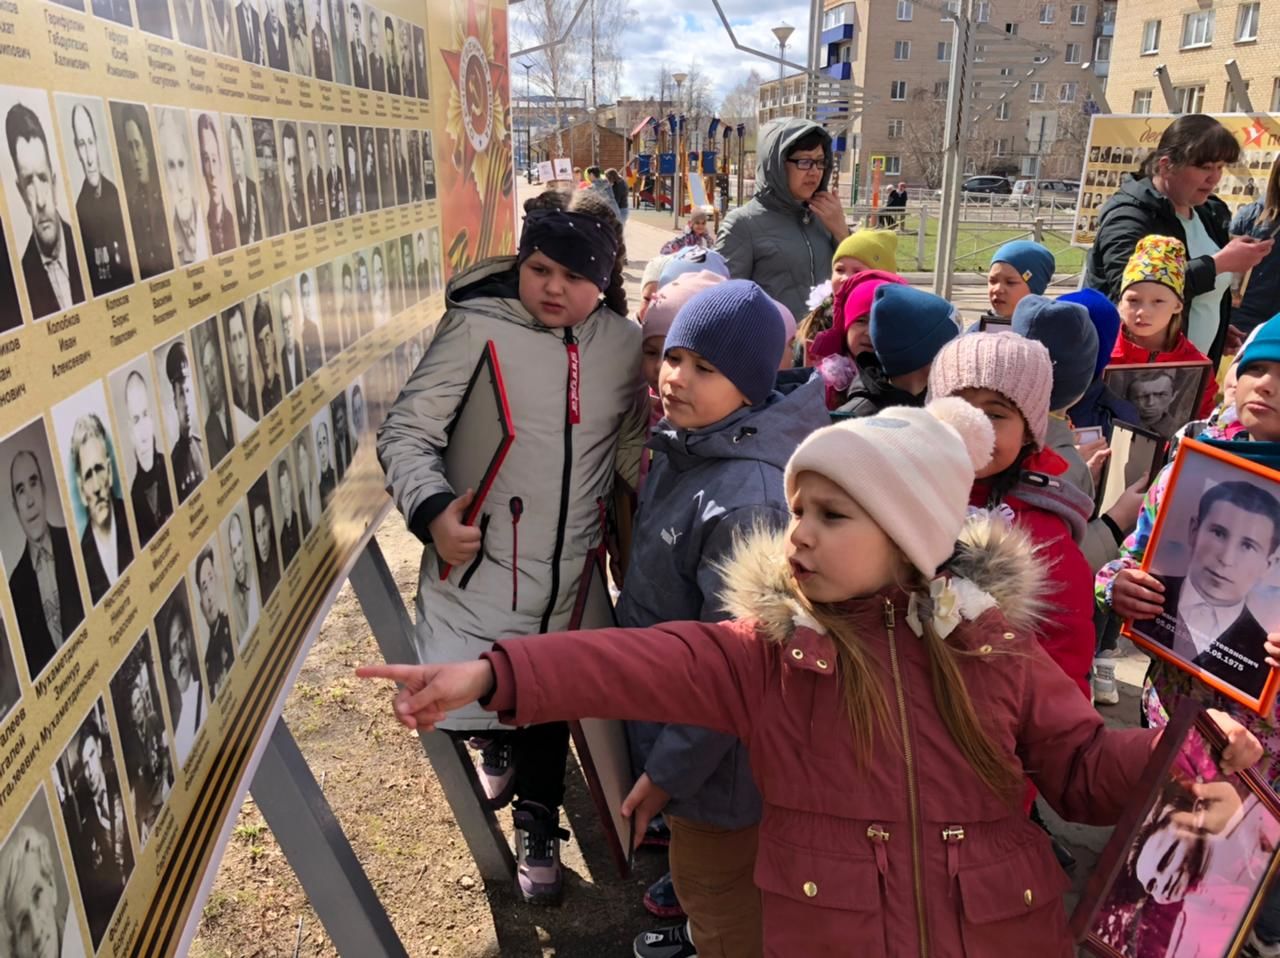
[1226,828]
[1189,380]
[1135,453]
[1232,661]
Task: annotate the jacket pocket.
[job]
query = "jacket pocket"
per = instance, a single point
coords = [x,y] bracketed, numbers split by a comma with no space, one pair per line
[1013,905]
[823,901]
[475,563]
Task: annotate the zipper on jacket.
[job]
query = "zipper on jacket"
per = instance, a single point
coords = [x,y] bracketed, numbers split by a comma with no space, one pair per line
[880,845]
[571,410]
[517,510]
[913,802]
[952,836]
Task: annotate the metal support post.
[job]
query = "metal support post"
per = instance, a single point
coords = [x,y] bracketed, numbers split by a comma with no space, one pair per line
[1161,73]
[953,154]
[815,54]
[1239,88]
[389,621]
[922,235]
[302,822]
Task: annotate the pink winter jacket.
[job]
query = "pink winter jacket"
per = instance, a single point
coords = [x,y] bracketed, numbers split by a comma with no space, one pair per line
[909,854]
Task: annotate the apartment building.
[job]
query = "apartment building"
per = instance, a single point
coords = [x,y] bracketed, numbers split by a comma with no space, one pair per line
[899,53]
[1192,41]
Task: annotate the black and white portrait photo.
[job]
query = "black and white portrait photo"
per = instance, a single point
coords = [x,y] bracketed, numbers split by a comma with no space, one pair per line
[266,553]
[190,231]
[351,177]
[394,289]
[37,919]
[140,173]
[428,168]
[290,526]
[339,39]
[238,332]
[404,44]
[99,209]
[292,368]
[97,490]
[379,296]
[117,10]
[414,143]
[145,470]
[93,811]
[184,688]
[217,193]
[267,154]
[37,198]
[321,44]
[223,32]
[359,414]
[307,481]
[334,181]
[153,16]
[297,22]
[316,174]
[10,311]
[420,61]
[327,309]
[181,416]
[295,204]
[408,271]
[249,31]
[434,260]
[369,168]
[144,743]
[219,430]
[400,159]
[349,326]
[188,18]
[386,167]
[307,322]
[215,621]
[391,55]
[342,449]
[39,556]
[358,47]
[377,55]
[1166,395]
[243,602]
[266,349]
[10,690]
[244,182]
[1215,553]
[326,471]
[275,34]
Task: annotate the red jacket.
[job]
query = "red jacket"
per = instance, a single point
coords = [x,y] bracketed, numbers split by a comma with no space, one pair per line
[1054,514]
[1127,353]
[909,853]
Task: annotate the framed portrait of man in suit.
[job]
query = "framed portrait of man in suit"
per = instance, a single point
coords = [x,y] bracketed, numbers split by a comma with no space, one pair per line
[1214,551]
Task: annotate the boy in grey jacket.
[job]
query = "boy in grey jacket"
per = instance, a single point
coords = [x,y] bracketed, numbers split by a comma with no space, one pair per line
[717,473]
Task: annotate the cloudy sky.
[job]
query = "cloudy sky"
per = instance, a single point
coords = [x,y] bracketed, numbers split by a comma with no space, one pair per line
[677,32]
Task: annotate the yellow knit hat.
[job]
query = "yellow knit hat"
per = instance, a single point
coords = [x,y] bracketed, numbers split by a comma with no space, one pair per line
[1157,259]
[877,248]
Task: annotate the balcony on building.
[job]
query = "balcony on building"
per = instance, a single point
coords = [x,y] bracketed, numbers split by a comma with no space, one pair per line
[840,71]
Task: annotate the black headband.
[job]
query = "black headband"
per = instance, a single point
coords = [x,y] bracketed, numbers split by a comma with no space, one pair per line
[580,243]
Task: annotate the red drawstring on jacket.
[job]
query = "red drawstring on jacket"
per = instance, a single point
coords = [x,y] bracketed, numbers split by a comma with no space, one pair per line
[517,510]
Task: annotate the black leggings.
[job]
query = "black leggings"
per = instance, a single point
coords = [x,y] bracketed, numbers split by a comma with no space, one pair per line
[540,753]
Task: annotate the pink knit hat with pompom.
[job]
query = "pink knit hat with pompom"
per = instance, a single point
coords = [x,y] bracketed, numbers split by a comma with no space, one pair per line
[1013,366]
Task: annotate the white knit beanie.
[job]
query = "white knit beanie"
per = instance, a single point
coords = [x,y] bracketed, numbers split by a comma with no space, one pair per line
[653,270]
[910,469]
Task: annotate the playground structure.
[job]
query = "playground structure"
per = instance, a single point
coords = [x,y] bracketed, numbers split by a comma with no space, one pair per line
[666,170]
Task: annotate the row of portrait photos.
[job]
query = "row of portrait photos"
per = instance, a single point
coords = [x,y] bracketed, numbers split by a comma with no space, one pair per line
[340,41]
[173,676]
[228,180]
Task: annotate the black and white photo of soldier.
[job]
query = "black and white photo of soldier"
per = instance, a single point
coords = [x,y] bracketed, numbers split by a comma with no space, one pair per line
[327,304]
[327,476]
[1166,395]
[295,14]
[401,157]
[140,173]
[404,37]
[222,28]
[37,919]
[359,415]
[364,293]
[386,170]
[33,180]
[186,453]
[338,40]
[348,320]
[144,743]
[242,586]
[184,688]
[94,814]
[215,629]
[290,531]
[408,273]
[98,203]
[249,27]
[219,433]
[428,168]
[391,55]
[275,36]
[380,300]
[188,17]
[291,366]
[369,168]
[244,185]
[265,551]
[317,201]
[414,146]
[37,549]
[423,270]
[309,507]
[145,471]
[309,316]
[420,61]
[334,184]
[240,347]
[321,47]
[359,49]
[213,169]
[291,171]
[190,231]
[264,140]
[377,58]
[264,337]
[351,170]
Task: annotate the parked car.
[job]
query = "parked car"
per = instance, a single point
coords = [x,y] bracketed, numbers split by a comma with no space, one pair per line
[988,185]
[1050,191]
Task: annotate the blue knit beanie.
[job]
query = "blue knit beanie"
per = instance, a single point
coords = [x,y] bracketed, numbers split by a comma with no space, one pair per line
[909,326]
[1065,330]
[736,327]
[1031,260]
[693,259]
[1263,345]
[1106,322]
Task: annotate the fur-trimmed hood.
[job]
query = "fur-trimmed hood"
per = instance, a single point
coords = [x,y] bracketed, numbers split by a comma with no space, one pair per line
[995,563]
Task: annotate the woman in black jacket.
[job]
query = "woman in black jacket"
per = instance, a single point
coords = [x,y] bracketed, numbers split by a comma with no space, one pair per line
[1172,195]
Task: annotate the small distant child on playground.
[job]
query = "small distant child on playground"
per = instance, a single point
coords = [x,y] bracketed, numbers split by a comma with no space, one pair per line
[891,706]
[1018,268]
[1152,313]
[698,234]
[570,363]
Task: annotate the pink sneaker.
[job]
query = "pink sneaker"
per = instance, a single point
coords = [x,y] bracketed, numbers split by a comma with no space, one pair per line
[539,877]
[497,770]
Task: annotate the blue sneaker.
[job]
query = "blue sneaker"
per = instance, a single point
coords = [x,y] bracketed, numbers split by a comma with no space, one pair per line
[660,899]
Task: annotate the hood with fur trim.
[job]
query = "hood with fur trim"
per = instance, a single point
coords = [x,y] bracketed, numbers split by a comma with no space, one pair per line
[995,563]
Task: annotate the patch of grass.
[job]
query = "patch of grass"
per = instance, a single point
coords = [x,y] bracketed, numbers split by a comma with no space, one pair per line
[976,241]
[256,852]
[249,832]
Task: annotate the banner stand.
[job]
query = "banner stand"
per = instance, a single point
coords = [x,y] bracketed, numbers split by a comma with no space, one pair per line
[291,801]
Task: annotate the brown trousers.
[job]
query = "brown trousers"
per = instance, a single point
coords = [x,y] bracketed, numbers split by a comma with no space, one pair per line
[712,872]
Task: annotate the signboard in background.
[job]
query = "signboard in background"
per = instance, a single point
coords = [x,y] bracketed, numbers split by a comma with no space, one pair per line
[1118,145]
[563,169]
[222,251]
[546,171]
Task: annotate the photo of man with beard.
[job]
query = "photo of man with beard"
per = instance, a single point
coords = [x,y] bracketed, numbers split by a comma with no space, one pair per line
[98,207]
[190,231]
[142,192]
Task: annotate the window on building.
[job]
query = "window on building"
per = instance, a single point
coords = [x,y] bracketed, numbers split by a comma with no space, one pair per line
[944,51]
[1002,146]
[902,49]
[1067,92]
[940,88]
[1037,92]
[1073,53]
[1048,11]
[984,11]
[846,53]
[1141,101]
[1102,50]
[950,8]
[1247,22]
[893,165]
[1197,29]
[1189,99]
[904,10]
[1079,14]
[896,129]
[1231,104]
[1151,37]
[898,90]
[1011,29]
[1006,71]
[1002,110]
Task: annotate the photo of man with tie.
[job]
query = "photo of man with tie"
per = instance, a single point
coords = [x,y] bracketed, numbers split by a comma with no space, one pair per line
[249,26]
[244,187]
[50,262]
[141,175]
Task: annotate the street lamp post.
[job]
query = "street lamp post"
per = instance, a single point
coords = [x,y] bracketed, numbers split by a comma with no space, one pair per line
[595,141]
[528,123]
[678,192]
[783,33]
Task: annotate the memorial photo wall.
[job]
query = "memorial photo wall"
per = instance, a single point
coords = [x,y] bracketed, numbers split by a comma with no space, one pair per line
[223,248]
